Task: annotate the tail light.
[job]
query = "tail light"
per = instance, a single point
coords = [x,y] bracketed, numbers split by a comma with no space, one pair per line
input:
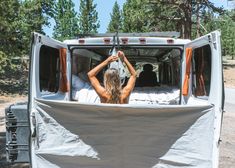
[81,41]
[170,41]
[107,40]
[124,40]
[142,40]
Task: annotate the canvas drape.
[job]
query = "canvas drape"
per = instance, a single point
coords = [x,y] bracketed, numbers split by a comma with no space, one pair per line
[127,136]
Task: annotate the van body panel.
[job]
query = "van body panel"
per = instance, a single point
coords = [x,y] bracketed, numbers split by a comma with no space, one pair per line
[168,130]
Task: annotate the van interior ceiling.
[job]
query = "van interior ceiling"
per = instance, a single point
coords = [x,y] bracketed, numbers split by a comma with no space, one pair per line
[165,64]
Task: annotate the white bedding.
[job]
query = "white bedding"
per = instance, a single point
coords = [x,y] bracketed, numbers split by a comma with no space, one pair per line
[154,95]
[140,95]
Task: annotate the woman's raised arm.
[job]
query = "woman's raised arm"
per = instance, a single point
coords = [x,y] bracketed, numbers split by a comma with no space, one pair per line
[131,82]
[92,75]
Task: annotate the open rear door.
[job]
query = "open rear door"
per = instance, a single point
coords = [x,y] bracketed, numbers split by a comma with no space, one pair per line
[49,68]
[203,78]
[49,74]
[205,75]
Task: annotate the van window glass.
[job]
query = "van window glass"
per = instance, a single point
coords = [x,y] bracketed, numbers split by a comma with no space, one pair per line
[81,66]
[49,69]
[202,71]
[169,72]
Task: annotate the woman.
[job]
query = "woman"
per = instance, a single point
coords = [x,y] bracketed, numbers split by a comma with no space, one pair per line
[112,91]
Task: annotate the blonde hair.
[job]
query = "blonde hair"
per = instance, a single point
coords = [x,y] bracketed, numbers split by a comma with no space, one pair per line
[112,84]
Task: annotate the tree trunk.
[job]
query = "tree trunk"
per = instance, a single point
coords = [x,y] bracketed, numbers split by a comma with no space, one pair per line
[188,21]
[198,20]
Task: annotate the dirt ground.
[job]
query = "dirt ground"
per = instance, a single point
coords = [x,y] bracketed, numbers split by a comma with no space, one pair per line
[229,76]
[227,146]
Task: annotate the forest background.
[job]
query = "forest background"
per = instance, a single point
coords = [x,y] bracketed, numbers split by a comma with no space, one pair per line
[19,18]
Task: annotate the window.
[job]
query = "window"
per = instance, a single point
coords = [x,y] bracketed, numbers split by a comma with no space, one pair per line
[169,72]
[49,69]
[202,71]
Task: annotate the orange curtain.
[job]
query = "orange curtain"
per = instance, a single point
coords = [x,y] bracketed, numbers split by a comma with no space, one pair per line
[64,85]
[187,73]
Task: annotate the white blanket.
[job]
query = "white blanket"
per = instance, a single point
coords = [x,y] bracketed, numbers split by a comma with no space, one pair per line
[155,95]
[140,95]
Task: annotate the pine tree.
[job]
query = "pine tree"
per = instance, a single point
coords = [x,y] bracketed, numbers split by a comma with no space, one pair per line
[9,38]
[227,26]
[66,20]
[88,17]
[33,16]
[18,19]
[135,18]
[184,13]
[116,19]
[162,17]
[36,13]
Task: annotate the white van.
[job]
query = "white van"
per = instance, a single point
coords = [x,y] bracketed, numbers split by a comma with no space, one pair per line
[172,123]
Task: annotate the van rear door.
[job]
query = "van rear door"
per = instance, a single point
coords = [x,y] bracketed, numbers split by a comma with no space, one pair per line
[49,69]
[204,78]
[45,69]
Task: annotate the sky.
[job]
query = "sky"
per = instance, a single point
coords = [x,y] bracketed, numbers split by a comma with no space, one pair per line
[104,8]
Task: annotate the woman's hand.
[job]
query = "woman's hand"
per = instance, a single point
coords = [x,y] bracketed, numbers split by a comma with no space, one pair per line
[112,58]
[121,55]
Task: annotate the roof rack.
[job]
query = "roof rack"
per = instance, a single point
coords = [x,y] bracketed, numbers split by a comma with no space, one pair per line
[172,34]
